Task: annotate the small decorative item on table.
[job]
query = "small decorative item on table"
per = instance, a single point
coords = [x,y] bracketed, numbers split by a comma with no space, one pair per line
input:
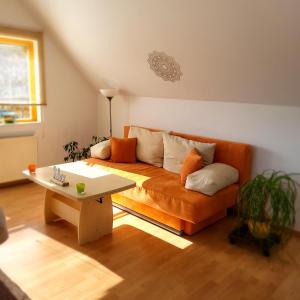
[58,178]
[32,168]
[80,187]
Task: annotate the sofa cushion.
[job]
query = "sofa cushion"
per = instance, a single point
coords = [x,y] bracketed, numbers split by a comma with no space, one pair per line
[101,150]
[149,146]
[212,178]
[177,148]
[238,155]
[192,163]
[123,150]
[163,191]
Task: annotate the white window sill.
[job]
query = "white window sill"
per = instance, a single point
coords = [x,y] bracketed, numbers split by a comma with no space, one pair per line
[20,129]
[17,124]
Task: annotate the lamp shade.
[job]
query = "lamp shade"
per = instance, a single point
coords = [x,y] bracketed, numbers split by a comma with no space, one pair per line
[109,92]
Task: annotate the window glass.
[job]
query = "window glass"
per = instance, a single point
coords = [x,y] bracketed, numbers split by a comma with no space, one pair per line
[18,63]
[14,74]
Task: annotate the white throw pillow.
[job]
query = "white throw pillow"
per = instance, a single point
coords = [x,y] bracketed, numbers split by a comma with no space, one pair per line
[176,149]
[212,178]
[149,148]
[101,150]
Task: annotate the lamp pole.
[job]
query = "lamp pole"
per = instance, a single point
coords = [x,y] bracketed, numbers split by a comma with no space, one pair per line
[110,121]
[109,94]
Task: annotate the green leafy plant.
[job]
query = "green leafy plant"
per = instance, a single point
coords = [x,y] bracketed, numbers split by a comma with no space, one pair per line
[267,203]
[74,153]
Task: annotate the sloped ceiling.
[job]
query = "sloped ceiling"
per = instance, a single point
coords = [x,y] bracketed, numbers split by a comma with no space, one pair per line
[234,50]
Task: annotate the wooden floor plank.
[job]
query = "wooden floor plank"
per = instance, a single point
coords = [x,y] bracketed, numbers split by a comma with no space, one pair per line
[138,261]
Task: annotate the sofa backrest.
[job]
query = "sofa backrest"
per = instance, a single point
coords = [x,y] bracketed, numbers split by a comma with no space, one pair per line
[238,155]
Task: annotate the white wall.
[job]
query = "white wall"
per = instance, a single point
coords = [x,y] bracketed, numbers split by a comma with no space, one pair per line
[272,130]
[233,50]
[71,111]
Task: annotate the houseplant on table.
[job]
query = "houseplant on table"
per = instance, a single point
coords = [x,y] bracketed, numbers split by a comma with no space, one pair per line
[266,209]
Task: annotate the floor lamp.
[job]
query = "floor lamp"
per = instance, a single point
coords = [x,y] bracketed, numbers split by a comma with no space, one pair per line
[109,94]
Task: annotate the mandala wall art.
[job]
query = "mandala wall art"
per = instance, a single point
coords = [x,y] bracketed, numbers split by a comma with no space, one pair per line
[164,66]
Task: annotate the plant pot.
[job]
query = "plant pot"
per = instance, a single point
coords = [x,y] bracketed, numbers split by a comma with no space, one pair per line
[260,230]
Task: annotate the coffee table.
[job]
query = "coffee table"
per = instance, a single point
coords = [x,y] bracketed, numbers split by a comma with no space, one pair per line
[90,212]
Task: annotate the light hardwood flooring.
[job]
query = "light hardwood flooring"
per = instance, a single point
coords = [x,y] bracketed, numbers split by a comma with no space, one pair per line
[138,261]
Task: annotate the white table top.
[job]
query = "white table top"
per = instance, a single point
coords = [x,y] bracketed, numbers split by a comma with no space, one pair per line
[98,182]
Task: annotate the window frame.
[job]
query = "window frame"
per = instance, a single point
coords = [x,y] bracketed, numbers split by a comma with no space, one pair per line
[34,42]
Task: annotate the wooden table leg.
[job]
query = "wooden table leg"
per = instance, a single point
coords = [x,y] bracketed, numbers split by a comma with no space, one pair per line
[48,214]
[95,219]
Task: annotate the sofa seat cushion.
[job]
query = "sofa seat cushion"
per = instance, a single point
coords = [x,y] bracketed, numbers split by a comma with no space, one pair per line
[137,168]
[170,196]
[138,172]
[163,191]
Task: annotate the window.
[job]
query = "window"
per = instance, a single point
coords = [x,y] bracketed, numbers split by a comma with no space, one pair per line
[21,90]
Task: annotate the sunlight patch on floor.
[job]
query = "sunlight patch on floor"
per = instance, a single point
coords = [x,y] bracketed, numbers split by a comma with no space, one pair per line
[34,260]
[160,233]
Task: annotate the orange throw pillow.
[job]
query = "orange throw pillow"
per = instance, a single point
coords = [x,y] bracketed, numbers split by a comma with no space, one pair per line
[192,163]
[123,150]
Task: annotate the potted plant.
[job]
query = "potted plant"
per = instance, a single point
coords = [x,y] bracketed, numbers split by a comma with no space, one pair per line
[8,117]
[74,153]
[266,208]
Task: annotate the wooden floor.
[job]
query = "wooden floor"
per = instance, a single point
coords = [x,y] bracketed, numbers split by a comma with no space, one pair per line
[138,261]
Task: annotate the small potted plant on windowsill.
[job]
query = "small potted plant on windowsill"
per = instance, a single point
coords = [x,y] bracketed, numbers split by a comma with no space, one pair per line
[8,117]
[266,209]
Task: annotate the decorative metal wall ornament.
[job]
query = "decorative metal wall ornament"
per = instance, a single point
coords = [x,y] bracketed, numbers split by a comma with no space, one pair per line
[164,66]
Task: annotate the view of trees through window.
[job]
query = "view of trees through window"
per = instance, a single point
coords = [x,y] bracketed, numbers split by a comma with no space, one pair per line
[14,74]
[17,79]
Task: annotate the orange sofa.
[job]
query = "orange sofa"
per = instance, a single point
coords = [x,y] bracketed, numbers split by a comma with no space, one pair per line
[160,197]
